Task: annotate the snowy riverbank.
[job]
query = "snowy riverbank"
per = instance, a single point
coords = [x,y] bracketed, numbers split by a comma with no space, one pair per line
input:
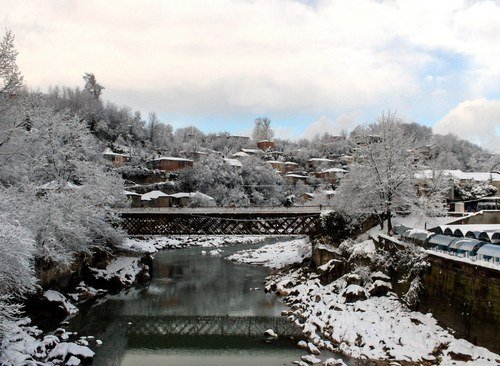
[155,243]
[360,316]
[277,255]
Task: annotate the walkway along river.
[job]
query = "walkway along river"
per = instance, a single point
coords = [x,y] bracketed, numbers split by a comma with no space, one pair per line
[197,310]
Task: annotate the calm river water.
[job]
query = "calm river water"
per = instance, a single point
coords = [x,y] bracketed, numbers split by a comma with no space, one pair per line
[185,288]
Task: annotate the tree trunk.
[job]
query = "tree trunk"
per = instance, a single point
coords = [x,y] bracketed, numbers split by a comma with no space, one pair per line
[389,223]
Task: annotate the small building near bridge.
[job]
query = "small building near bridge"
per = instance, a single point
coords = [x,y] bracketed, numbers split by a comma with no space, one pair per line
[192,199]
[330,175]
[156,199]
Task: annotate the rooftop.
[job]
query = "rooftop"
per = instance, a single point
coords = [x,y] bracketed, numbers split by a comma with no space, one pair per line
[171,158]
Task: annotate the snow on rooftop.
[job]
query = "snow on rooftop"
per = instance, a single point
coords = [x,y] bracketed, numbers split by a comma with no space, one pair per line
[290,163]
[458,174]
[130,193]
[252,151]
[191,195]
[489,232]
[240,154]
[298,176]
[171,158]
[109,152]
[321,160]
[153,195]
[334,170]
[472,227]
[233,162]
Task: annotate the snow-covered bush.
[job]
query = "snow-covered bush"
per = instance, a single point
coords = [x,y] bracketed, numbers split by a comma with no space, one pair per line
[339,226]
[472,189]
[255,183]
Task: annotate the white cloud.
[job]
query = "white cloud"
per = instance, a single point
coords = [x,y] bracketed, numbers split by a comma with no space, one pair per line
[211,56]
[252,56]
[326,125]
[475,120]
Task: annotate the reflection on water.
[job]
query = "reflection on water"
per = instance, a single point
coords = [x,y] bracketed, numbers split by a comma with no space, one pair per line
[186,283]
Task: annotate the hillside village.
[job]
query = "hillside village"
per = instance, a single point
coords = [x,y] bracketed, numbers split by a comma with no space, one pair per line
[304,181]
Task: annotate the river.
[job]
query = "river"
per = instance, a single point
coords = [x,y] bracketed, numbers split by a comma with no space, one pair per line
[197,310]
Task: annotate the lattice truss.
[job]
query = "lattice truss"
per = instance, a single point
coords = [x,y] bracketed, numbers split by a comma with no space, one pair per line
[178,224]
[212,325]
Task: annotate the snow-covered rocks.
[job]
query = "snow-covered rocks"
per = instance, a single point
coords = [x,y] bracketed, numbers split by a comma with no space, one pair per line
[84,292]
[364,249]
[216,252]
[26,345]
[313,349]
[310,359]
[120,272]
[376,328]
[353,293]
[269,333]
[300,363]
[379,288]
[334,362]
[64,351]
[137,245]
[277,255]
[380,276]
[302,344]
[61,301]
[73,361]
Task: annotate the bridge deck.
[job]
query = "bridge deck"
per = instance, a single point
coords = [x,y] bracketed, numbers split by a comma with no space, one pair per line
[221,221]
[285,211]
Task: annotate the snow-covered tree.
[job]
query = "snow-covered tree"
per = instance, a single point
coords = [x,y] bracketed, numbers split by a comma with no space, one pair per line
[16,255]
[262,129]
[17,246]
[261,183]
[92,86]
[10,76]
[11,82]
[62,184]
[214,177]
[382,181]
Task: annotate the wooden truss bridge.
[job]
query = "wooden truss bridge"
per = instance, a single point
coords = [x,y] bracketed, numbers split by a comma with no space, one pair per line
[209,325]
[221,221]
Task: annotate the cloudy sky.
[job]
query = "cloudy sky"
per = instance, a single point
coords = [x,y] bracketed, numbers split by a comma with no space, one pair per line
[311,66]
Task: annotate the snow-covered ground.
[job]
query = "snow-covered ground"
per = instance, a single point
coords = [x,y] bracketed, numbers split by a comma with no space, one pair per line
[373,327]
[155,243]
[277,255]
